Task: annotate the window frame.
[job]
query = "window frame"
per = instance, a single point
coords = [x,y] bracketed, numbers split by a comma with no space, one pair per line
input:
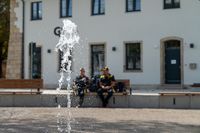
[37,17]
[99,8]
[172,5]
[67,9]
[92,52]
[125,56]
[134,7]
[60,55]
[33,56]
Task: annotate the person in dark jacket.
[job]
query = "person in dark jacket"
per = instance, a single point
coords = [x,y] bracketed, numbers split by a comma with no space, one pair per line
[107,83]
[81,82]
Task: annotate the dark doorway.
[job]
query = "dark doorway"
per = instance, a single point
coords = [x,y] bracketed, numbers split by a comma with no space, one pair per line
[97,58]
[172,62]
[35,61]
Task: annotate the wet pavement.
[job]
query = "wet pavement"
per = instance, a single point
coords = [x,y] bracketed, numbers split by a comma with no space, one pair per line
[99,120]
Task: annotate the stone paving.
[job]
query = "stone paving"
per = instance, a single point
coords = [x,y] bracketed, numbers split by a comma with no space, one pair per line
[99,120]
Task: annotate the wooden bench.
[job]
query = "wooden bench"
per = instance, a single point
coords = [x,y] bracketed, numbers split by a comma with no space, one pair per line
[127,87]
[21,86]
[179,93]
[182,93]
[196,85]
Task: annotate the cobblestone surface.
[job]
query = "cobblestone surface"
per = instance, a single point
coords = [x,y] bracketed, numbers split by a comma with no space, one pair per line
[99,120]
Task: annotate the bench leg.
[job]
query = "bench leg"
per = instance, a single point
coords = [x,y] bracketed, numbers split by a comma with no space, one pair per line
[38,90]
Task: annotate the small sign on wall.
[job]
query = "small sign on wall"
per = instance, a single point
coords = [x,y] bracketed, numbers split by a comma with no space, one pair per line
[193,66]
[173,61]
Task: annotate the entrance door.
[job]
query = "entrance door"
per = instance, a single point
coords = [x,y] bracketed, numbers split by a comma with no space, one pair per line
[35,61]
[172,62]
[97,58]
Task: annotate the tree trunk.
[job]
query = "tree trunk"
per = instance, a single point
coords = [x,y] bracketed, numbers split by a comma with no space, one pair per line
[1,59]
[1,73]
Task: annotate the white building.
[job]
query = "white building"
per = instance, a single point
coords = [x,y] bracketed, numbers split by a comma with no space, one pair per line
[150,42]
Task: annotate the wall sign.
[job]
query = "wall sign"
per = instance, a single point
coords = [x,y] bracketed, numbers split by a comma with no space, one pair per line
[57,31]
[173,61]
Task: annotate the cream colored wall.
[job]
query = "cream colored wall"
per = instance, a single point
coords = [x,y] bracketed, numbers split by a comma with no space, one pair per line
[114,28]
[18,11]
[13,65]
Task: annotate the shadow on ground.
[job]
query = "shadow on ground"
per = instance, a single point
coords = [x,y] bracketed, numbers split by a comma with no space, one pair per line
[89,125]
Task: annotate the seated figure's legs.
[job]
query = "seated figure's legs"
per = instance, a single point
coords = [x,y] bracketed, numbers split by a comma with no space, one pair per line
[81,95]
[105,99]
[100,94]
[110,93]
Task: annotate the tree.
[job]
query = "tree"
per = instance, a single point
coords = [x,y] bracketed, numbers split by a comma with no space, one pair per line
[4,30]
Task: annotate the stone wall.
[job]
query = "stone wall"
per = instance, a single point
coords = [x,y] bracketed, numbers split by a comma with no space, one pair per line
[4,69]
[13,69]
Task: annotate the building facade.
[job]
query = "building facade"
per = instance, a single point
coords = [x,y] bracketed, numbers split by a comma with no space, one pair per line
[150,42]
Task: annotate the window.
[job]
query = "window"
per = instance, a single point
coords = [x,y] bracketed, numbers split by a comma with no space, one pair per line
[98,7]
[65,65]
[168,4]
[35,61]
[65,8]
[36,10]
[97,58]
[133,56]
[133,5]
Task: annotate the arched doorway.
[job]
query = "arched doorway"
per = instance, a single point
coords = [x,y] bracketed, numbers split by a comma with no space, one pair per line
[171,61]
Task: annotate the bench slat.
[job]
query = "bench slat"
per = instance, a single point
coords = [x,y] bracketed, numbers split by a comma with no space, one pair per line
[26,84]
[95,94]
[19,93]
[21,83]
[179,93]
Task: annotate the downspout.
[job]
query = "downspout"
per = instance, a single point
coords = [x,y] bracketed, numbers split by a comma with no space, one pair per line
[23,30]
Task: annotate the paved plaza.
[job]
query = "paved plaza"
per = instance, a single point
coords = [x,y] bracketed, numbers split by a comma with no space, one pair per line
[99,120]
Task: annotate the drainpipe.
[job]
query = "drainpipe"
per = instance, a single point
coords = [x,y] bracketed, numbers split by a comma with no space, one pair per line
[23,30]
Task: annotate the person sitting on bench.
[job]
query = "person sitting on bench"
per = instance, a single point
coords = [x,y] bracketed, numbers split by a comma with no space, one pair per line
[107,82]
[81,82]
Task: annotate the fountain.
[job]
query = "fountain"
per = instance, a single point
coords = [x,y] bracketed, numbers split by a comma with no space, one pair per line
[68,38]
